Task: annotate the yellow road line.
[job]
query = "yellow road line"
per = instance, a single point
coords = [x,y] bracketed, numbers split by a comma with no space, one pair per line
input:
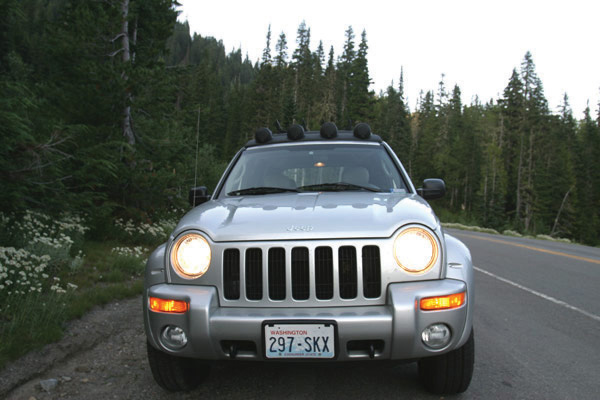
[556,253]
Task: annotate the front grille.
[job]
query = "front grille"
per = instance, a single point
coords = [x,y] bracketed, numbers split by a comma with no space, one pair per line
[347,269]
[254,284]
[302,273]
[371,272]
[324,273]
[277,273]
[231,274]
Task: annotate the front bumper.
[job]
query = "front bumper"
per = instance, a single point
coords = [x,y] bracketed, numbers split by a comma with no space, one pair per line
[396,326]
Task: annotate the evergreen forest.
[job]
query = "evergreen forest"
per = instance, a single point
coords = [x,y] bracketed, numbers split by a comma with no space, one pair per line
[104,103]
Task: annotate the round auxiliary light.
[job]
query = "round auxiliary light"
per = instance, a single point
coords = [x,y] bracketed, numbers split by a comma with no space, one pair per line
[191,256]
[329,130]
[295,132]
[362,131]
[436,336]
[415,250]
[263,135]
[173,337]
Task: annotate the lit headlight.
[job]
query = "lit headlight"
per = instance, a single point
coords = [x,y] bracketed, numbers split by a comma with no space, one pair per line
[415,250]
[191,256]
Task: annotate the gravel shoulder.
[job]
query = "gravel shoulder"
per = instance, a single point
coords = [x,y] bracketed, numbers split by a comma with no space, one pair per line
[102,349]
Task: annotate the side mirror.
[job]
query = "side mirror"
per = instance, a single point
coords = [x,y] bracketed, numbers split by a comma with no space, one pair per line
[198,195]
[432,189]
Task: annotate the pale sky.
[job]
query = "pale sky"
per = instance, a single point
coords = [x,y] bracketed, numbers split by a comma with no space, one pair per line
[474,43]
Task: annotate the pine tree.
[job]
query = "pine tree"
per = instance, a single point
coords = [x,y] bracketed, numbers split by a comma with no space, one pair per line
[281,78]
[425,139]
[329,98]
[587,191]
[303,70]
[492,187]
[344,72]
[359,98]
[281,49]
[512,106]
[454,157]
[178,45]
[393,122]
[535,125]
[555,176]
[319,88]
[266,57]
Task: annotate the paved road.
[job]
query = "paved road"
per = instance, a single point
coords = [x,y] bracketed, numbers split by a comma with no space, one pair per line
[537,318]
[537,327]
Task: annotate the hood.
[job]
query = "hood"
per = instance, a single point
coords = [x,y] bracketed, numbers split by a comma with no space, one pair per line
[326,215]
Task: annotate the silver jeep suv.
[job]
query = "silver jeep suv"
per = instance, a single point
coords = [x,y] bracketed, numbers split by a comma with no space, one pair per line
[314,245]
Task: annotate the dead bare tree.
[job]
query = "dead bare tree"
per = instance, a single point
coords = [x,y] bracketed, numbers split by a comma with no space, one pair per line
[124,35]
[562,205]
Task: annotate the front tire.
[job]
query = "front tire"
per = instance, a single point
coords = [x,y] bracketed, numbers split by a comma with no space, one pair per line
[449,373]
[175,374]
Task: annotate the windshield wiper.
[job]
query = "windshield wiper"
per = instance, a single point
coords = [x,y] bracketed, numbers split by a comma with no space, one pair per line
[337,187]
[260,190]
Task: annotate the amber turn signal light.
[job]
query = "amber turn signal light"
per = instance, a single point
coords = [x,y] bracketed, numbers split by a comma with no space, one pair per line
[168,306]
[443,302]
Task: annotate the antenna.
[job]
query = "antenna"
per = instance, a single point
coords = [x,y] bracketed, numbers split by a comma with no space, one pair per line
[196,167]
[278,126]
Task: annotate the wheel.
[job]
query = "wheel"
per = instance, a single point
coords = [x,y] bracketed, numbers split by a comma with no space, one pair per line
[449,373]
[173,373]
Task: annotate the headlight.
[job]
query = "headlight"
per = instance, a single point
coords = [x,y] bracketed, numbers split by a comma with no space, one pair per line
[191,256]
[416,250]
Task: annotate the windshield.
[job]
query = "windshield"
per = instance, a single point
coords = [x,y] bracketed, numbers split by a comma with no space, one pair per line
[313,167]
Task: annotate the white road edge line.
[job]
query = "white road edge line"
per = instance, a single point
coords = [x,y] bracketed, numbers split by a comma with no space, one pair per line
[542,295]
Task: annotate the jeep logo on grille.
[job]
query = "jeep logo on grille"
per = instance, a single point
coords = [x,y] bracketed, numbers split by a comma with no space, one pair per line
[300,228]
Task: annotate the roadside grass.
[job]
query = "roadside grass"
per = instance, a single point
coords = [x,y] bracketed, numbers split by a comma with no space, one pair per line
[463,222]
[474,228]
[36,319]
[50,274]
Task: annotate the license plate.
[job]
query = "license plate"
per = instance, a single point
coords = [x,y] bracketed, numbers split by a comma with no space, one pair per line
[299,340]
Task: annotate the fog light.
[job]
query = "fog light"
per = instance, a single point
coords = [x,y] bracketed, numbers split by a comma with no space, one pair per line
[173,337]
[436,336]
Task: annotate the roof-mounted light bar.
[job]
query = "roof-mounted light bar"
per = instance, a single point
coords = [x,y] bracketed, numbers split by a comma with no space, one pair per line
[329,130]
[263,135]
[362,131]
[295,132]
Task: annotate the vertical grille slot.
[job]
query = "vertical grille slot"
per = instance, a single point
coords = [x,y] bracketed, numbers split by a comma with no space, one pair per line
[300,274]
[231,274]
[371,272]
[324,273]
[347,269]
[277,273]
[254,286]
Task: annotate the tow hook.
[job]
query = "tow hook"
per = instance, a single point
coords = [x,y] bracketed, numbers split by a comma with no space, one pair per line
[233,351]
